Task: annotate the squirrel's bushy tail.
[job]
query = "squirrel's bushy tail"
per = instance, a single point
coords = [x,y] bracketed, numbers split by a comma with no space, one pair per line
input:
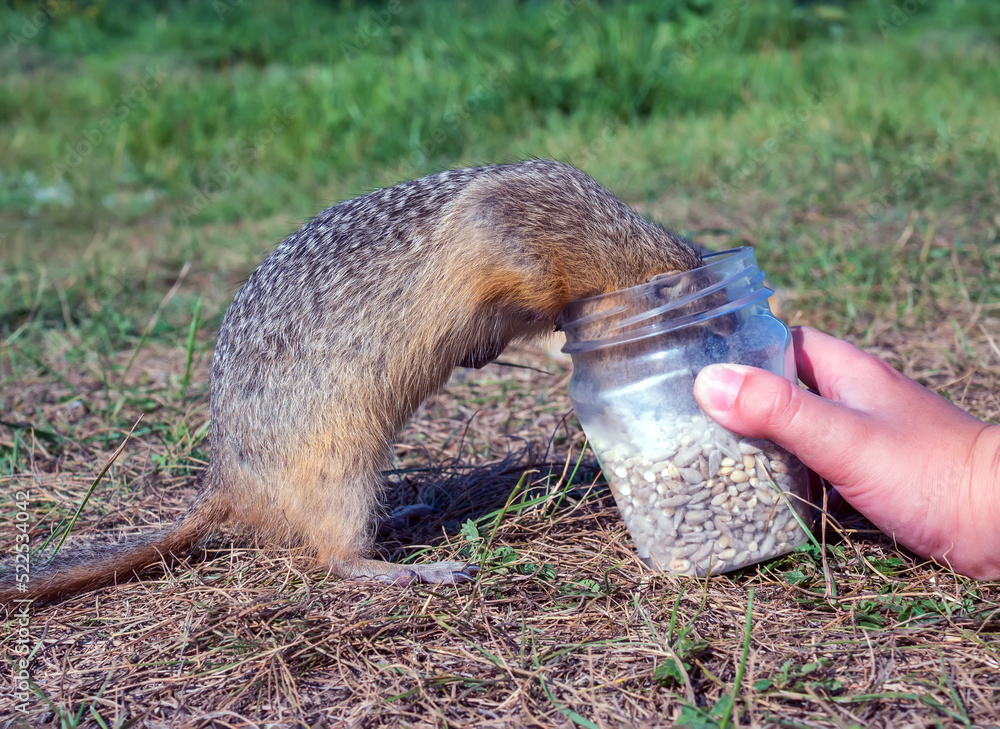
[91,566]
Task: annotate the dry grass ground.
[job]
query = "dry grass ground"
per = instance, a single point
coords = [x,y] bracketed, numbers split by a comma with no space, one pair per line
[564,625]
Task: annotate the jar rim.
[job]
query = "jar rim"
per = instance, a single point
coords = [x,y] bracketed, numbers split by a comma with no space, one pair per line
[719,257]
[745,281]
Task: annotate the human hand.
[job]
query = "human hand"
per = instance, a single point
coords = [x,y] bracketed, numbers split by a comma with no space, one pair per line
[922,470]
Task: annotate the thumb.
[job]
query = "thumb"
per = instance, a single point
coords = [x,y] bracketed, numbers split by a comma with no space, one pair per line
[759,404]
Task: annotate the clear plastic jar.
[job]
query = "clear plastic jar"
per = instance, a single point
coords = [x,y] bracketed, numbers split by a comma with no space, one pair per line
[697,498]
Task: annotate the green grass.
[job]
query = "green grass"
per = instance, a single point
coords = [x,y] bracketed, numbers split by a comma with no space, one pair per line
[853,143]
[277,111]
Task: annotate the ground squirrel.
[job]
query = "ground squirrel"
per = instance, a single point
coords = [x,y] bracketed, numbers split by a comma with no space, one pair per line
[349,324]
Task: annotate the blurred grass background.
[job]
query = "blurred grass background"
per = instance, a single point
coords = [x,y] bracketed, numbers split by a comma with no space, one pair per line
[113,112]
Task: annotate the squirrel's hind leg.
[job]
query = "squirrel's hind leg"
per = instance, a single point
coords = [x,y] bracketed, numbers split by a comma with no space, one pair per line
[341,531]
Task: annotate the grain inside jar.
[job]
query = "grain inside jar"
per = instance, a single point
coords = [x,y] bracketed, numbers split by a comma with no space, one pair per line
[698,500]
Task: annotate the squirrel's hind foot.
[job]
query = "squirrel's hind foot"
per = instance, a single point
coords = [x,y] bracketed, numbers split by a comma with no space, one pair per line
[435,573]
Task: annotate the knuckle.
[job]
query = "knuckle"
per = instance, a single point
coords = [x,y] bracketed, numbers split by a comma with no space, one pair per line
[784,405]
[872,366]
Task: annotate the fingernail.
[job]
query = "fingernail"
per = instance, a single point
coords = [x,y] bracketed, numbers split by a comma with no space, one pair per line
[718,385]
